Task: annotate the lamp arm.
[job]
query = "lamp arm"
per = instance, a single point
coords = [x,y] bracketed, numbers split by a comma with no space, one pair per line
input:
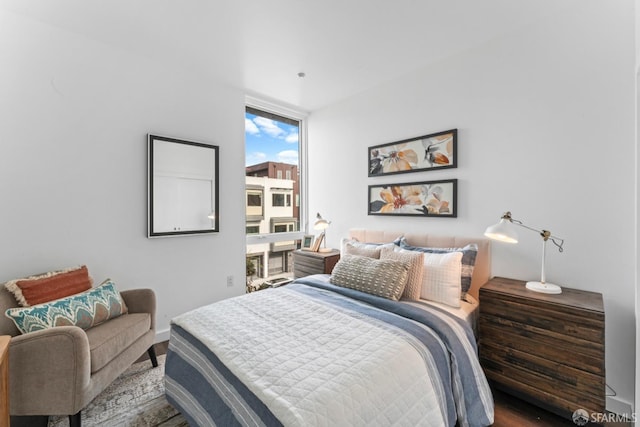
[545,234]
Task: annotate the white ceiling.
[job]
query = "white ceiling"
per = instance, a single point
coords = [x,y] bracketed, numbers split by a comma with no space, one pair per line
[343,46]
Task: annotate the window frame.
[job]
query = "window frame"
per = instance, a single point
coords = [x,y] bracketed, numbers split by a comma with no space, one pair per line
[278,196]
[301,117]
[252,225]
[249,191]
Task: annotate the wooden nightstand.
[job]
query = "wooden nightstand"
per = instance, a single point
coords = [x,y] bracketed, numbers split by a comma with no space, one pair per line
[546,349]
[306,263]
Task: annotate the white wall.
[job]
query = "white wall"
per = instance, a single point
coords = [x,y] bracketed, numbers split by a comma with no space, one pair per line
[546,130]
[74,115]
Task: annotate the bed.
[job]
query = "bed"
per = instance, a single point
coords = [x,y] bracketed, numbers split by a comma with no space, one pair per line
[317,353]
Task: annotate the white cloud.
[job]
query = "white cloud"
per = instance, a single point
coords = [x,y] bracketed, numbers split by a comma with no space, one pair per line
[292,138]
[250,127]
[288,156]
[268,126]
[255,158]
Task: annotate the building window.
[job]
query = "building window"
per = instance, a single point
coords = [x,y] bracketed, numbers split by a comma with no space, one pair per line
[254,207]
[254,199]
[284,227]
[279,174]
[288,174]
[277,199]
[253,229]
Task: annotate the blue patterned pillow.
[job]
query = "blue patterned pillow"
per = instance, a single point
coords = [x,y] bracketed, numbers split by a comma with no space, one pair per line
[85,310]
[469,254]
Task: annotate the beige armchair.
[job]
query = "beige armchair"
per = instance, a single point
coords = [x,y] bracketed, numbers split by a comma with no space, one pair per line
[58,371]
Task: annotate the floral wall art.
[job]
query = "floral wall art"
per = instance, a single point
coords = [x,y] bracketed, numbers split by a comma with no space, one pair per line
[426,198]
[434,151]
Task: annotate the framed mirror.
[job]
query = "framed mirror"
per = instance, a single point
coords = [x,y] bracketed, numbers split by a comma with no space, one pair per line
[183,187]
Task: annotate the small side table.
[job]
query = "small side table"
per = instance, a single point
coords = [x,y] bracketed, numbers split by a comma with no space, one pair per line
[306,263]
[543,348]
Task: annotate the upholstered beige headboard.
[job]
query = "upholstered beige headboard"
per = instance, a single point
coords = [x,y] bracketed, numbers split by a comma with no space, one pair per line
[481,271]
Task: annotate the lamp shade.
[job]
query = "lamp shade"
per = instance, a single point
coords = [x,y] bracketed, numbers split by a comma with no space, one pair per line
[502,231]
[321,223]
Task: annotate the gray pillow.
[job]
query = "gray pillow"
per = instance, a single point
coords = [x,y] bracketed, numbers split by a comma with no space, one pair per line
[382,277]
[415,261]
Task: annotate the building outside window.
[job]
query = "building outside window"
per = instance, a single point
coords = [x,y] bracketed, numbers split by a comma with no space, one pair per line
[255,205]
[277,199]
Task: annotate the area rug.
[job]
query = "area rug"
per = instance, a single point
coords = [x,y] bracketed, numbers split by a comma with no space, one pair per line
[135,399]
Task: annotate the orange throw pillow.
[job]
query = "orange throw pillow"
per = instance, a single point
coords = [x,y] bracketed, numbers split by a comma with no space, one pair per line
[50,286]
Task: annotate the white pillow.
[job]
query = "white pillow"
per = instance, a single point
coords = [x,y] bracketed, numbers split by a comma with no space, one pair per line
[441,278]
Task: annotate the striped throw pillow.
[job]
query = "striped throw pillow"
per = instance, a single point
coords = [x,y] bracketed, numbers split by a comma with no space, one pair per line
[84,310]
[382,277]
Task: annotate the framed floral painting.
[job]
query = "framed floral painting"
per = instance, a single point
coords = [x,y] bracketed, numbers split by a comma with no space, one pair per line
[426,198]
[434,151]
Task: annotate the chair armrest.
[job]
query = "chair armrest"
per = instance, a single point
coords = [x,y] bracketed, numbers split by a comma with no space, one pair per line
[45,363]
[141,301]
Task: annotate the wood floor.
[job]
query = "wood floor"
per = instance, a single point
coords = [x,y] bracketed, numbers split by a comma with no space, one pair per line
[509,411]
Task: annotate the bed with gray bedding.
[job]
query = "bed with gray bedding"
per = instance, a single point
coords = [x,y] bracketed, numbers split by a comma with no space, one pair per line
[315,354]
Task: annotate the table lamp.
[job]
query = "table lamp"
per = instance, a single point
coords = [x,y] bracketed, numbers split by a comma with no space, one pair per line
[504,231]
[322,224]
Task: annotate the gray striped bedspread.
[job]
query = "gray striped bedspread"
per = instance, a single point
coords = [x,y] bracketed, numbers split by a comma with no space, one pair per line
[314,354]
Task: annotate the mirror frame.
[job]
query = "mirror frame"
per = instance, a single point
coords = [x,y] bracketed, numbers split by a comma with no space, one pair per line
[152,230]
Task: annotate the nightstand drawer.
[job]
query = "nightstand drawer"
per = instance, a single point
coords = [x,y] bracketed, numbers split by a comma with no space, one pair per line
[306,263]
[586,355]
[540,384]
[540,372]
[302,271]
[570,323]
[309,262]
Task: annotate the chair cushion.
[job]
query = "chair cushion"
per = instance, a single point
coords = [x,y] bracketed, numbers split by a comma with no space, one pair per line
[108,340]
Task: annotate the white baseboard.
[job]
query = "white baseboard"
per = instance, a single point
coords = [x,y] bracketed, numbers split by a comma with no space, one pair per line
[620,407]
[162,335]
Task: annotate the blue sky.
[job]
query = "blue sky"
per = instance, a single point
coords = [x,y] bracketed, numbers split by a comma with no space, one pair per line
[269,140]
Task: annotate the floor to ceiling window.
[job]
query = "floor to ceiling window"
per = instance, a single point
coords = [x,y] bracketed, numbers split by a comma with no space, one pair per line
[274,175]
